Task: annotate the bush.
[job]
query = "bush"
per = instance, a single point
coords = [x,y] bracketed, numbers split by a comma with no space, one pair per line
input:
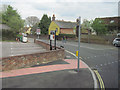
[8,35]
[67,35]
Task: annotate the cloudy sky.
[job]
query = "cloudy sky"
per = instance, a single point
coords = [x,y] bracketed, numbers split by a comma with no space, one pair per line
[67,10]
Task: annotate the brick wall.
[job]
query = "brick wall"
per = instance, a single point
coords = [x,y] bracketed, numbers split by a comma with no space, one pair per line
[23,61]
[66,31]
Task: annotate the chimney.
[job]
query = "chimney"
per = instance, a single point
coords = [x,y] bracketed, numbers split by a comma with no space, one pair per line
[53,18]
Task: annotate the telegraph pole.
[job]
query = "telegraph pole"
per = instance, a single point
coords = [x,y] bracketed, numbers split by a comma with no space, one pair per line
[55,40]
[79,32]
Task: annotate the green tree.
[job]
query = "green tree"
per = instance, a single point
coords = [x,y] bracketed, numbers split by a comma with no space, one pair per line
[44,24]
[99,27]
[11,18]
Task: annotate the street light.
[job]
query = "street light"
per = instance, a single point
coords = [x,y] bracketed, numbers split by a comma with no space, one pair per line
[79,32]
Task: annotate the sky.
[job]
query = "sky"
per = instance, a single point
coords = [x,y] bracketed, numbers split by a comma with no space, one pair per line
[68,10]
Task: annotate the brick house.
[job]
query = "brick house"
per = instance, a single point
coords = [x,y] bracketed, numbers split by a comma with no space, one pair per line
[62,27]
[112,23]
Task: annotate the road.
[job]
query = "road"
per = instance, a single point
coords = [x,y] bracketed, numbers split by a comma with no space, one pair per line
[19,48]
[104,58]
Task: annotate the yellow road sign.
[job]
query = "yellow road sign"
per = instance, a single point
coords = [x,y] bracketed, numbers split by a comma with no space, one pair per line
[76,53]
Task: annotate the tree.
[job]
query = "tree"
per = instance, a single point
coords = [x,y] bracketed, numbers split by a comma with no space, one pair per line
[86,24]
[34,28]
[32,20]
[11,18]
[99,27]
[44,24]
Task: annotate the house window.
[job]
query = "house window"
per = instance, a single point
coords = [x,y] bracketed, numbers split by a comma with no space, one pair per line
[112,21]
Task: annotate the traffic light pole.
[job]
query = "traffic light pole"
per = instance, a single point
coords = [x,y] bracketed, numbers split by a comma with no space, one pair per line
[79,43]
[50,44]
[55,40]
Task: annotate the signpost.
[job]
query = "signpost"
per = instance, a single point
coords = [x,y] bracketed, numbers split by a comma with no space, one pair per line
[79,32]
[38,32]
[53,38]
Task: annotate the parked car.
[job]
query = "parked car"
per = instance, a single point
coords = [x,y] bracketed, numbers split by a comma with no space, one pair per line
[24,39]
[118,35]
[116,42]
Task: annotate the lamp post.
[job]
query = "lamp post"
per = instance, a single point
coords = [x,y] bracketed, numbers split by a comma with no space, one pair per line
[79,32]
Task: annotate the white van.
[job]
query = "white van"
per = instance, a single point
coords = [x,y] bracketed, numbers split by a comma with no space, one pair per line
[24,39]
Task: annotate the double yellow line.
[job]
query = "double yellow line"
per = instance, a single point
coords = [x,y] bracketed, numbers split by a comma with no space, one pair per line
[100,80]
[96,72]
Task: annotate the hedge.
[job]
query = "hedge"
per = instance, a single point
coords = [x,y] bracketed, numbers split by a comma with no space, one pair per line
[67,35]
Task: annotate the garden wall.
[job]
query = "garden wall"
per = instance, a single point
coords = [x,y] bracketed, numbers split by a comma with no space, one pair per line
[24,61]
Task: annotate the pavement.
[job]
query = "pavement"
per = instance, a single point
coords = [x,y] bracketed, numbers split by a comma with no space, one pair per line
[105,59]
[57,74]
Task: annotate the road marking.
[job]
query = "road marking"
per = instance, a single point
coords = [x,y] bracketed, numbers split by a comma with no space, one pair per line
[85,47]
[28,48]
[11,43]
[100,64]
[93,75]
[100,80]
[15,54]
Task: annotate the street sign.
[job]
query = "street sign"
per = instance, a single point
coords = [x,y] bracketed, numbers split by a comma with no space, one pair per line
[38,31]
[52,37]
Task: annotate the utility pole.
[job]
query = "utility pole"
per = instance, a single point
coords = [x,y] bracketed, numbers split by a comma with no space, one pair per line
[55,40]
[79,32]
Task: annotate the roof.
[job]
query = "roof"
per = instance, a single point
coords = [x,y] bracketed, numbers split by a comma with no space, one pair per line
[64,24]
[5,27]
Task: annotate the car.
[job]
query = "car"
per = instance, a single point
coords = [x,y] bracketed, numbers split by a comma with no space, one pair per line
[24,39]
[116,42]
[118,35]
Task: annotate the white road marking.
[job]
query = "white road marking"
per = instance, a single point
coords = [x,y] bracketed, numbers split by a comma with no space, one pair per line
[28,48]
[11,43]
[15,54]
[100,64]
[85,47]
[95,56]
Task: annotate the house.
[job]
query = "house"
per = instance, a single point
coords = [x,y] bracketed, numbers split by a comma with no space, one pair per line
[112,23]
[62,27]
